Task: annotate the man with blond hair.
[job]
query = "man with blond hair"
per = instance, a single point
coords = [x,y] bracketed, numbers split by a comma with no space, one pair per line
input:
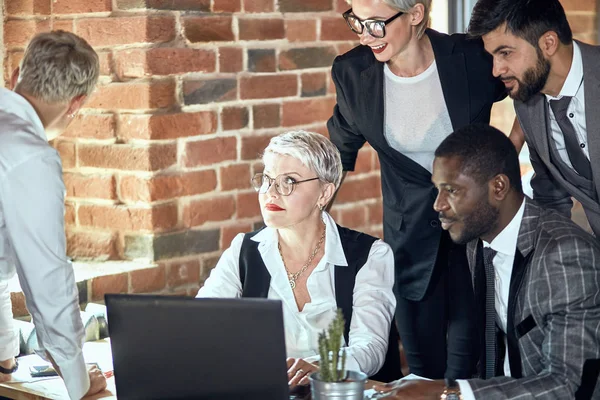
[59,70]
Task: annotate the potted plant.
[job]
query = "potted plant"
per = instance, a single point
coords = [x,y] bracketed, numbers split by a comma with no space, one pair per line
[332,381]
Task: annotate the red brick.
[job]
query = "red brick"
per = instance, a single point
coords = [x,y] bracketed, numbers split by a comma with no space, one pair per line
[233,118]
[364,161]
[268,86]
[199,212]
[314,84]
[354,217]
[137,63]
[65,25]
[376,232]
[341,6]
[11,62]
[375,212]
[259,6]
[307,57]
[261,29]
[127,157]
[136,95]
[106,59]
[19,308]
[70,213]
[129,218]
[208,29]
[301,30]
[148,280]
[167,126]
[102,285]
[210,151]
[248,206]
[67,152]
[17,33]
[134,188]
[91,127]
[99,246]
[313,110]
[115,31]
[359,189]
[227,6]
[266,115]
[261,60]
[178,5]
[235,176]
[230,232]
[582,23]
[28,7]
[231,59]
[578,5]
[183,272]
[90,186]
[209,90]
[253,146]
[80,6]
[336,29]
[343,48]
[304,5]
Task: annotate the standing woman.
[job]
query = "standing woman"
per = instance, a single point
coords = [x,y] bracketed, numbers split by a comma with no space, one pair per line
[404,90]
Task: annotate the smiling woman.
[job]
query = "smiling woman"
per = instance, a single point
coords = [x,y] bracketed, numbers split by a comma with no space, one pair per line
[314,266]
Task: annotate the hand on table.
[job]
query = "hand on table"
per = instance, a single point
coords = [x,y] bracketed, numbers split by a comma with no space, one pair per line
[8,364]
[298,371]
[97,381]
[416,389]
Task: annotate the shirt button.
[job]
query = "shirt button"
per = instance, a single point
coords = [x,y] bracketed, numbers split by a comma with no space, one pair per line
[434,223]
[571,115]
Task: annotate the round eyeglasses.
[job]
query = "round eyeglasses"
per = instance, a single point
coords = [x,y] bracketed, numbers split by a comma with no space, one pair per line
[375,27]
[284,184]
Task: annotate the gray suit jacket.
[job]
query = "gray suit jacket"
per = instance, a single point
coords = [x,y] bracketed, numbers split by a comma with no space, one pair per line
[553,312]
[550,188]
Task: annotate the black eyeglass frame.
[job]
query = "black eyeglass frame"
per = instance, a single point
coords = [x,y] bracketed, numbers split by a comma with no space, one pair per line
[272,180]
[367,23]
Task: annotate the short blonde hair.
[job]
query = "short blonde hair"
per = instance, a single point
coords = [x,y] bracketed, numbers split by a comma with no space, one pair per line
[58,66]
[312,150]
[405,6]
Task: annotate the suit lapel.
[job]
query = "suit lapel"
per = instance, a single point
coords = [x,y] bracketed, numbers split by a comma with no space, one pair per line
[453,77]
[539,122]
[591,85]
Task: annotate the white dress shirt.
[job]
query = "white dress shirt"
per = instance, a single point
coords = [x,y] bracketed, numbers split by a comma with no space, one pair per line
[573,87]
[505,244]
[32,242]
[373,303]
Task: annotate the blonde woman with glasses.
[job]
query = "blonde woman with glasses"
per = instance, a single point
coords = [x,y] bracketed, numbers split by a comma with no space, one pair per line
[403,90]
[308,262]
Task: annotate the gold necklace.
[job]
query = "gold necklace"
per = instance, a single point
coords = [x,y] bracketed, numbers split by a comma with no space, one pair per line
[293,276]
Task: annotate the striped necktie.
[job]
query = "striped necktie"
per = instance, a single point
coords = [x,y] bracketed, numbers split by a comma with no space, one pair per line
[490,313]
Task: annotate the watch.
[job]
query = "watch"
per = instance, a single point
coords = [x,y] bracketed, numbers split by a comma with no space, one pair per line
[8,371]
[452,391]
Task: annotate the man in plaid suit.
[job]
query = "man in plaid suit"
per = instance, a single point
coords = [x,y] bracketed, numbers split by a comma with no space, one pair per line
[536,277]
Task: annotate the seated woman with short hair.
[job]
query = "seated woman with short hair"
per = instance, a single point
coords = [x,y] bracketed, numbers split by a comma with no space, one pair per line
[308,262]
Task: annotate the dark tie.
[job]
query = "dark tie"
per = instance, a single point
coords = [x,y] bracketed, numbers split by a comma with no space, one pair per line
[490,313]
[578,159]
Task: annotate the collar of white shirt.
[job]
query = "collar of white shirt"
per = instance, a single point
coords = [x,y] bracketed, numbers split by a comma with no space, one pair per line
[13,103]
[574,78]
[334,252]
[506,241]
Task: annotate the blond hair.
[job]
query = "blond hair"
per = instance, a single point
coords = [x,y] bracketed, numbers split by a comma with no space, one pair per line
[405,6]
[58,66]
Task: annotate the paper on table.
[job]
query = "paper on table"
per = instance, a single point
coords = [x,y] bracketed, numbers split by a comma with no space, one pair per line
[373,394]
[22,374]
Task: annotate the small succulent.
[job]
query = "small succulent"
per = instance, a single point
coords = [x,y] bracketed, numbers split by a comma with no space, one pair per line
[332,366]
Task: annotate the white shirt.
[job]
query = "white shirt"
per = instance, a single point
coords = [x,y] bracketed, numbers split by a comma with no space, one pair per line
[373,303]
[573,87]
[409,127]
[505,245]
[32,242]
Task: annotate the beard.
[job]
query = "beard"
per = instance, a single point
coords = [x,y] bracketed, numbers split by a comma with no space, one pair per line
[534,80]
[482,220]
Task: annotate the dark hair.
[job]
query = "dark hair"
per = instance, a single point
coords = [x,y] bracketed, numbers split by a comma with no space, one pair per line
[484,152]
[527,19]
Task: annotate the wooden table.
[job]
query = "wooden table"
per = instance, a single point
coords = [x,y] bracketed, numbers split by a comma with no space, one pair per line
[54,389]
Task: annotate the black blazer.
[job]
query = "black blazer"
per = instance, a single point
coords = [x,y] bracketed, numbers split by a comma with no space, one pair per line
[410,225]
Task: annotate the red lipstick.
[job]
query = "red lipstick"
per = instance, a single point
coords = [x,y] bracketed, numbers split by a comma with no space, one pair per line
[273,207]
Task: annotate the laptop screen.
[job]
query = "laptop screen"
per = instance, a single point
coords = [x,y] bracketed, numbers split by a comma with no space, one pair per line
[168,347]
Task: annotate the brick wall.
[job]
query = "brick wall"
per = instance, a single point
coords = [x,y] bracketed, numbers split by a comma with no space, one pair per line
[157,166]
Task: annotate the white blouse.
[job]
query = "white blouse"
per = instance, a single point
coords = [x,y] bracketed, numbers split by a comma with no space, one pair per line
[373,301]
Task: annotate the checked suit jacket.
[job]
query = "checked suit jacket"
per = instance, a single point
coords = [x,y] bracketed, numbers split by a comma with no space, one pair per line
[553,312]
